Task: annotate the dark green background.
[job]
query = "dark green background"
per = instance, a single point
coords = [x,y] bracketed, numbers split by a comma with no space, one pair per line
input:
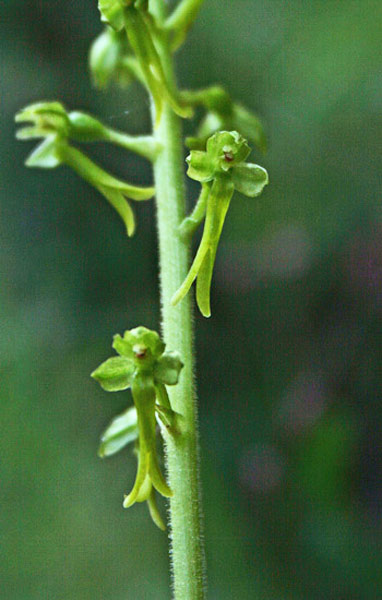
[289,365]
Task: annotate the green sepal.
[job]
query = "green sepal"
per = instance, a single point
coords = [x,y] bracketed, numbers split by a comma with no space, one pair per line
[48,118]
[112,13]
[115,374]
[200,166]
[249,179]
[122,431]
[167,368]
[45,156]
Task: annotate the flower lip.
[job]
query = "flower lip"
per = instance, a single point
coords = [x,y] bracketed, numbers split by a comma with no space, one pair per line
[140,351]
[228,156]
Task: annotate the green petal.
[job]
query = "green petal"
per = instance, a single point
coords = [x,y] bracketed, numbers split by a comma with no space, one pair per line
[30,112]
[249,179]
[47,117]
[29,133]
[167,368]
[115,374]
[200,166]
[45,155]
[122,431]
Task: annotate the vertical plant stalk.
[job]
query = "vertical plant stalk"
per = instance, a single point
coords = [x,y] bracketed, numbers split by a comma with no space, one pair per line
[182,451]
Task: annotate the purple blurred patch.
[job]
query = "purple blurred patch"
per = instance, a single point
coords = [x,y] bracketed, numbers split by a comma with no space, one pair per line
[285,253]
[363,261]
[303,402]
[261,468]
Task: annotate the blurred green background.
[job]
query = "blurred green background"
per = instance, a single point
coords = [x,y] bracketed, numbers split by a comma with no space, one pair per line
[288,367]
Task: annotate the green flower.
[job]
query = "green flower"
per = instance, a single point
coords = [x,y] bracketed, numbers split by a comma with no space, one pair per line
[51,121]
[220,170]
[145,367]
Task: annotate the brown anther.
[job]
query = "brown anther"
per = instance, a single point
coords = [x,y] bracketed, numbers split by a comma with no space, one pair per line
[140,351]
[228,156]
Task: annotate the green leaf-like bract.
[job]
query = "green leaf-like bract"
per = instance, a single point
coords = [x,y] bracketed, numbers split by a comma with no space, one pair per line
[122,431]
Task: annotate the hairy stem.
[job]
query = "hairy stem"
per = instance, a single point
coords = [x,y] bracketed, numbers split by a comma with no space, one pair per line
[182,451]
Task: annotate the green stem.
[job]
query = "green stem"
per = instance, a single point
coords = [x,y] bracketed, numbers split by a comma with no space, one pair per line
[182,451]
